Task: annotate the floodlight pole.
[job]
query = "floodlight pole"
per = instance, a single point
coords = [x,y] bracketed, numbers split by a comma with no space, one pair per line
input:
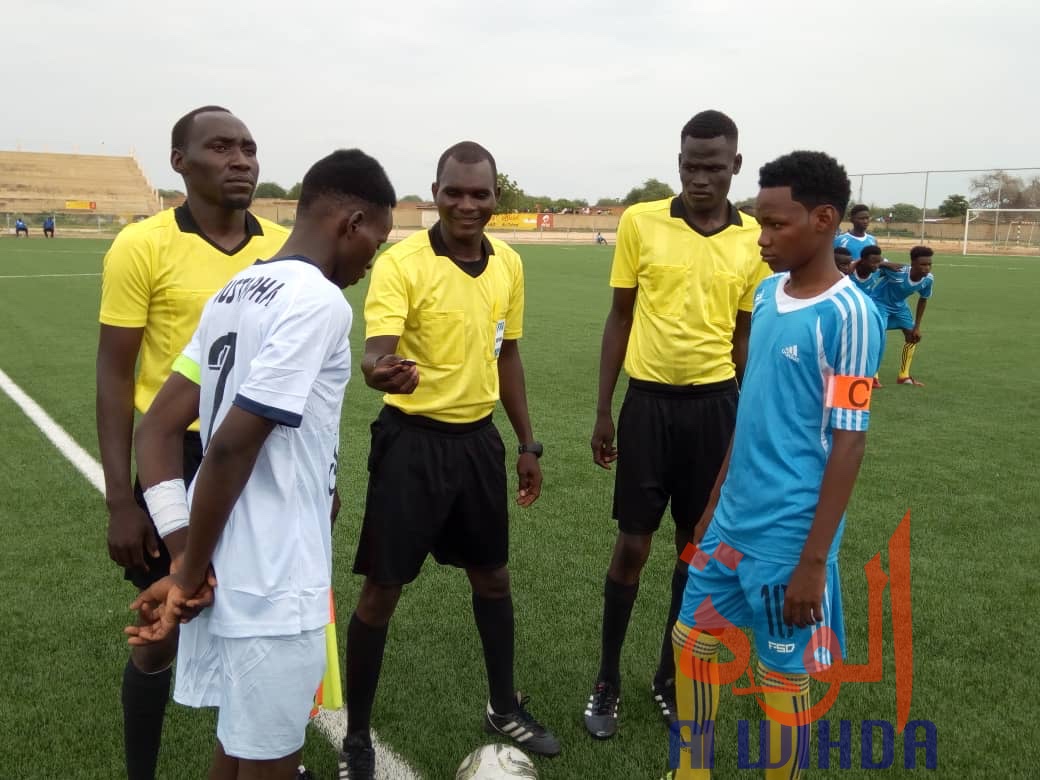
[996,214]
[924,206]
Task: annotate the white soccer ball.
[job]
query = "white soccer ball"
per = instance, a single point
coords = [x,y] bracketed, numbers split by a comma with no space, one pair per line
[496,762]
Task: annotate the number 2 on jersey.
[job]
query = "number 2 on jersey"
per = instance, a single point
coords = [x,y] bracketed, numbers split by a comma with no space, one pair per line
[221,358]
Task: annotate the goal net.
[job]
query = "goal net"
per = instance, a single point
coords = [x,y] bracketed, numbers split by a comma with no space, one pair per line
[1001,232]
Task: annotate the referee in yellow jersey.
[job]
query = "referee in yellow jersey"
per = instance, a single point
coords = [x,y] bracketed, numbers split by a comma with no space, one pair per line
[684,276]
[443,315]
[157,276]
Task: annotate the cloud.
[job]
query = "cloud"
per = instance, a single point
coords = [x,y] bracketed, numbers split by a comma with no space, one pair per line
[575,99]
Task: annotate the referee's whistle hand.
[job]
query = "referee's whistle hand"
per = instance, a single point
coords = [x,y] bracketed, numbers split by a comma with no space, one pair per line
[603,450]
[530,474]
[392,375]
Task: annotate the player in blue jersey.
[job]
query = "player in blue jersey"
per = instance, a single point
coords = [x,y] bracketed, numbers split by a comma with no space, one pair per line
[897,283]
[866,275]
[843,260]
[857,239]
[768,539]
[864,272]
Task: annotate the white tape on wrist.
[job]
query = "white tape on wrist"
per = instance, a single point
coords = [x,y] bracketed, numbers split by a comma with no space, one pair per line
[168,505]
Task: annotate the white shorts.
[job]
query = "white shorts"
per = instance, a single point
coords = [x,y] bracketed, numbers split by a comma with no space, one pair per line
[263,686]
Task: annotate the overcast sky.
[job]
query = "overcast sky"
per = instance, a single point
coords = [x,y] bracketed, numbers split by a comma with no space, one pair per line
[574,99]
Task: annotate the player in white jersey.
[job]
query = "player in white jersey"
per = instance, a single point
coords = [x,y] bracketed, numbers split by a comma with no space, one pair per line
[265,373]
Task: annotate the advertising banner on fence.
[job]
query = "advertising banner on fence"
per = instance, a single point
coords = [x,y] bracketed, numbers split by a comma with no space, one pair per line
[521,222]
[85,205]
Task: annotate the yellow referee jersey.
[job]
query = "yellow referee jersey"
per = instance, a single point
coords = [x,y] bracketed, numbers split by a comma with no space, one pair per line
[450,322]
[159,273]
[689,288]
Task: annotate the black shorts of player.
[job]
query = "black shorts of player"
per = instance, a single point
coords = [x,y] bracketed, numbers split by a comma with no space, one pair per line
[433,487]
[48,232]
[160,567]
[671,443]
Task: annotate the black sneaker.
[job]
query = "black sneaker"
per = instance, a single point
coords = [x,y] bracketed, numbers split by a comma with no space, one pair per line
[303,773]
[357,760]
[521,727]
[664,696]
[602,710]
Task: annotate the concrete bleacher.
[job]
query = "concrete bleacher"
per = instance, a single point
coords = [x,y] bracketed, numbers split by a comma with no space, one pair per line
[38,182]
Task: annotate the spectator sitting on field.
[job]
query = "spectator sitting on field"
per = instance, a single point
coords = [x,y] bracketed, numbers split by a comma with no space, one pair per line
[48,227]
[19,228]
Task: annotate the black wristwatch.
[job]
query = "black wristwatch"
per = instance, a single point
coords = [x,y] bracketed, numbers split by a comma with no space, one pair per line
[534,447]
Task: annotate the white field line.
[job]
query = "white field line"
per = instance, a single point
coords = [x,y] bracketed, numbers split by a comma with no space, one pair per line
[988,267]
[44,276]
[331,723]
[41,251]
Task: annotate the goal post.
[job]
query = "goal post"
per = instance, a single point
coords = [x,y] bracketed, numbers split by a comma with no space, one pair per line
[1001,231]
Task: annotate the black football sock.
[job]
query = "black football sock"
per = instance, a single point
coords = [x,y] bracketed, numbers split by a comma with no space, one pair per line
[666,668]
[494,618]
[144,706]
[617,609]
[365,645]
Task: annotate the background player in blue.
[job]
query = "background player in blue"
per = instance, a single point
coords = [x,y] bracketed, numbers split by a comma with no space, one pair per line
[857,238]
[769,538]
[843,259]
[864,271]
[20,227]
[897,283]
[865,274]
[48,227]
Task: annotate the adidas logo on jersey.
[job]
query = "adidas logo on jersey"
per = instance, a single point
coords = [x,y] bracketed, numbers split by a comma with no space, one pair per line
[791,352]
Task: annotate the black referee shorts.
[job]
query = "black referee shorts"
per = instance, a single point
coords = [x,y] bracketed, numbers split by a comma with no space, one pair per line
[160,567]
[671,443]
[433,487]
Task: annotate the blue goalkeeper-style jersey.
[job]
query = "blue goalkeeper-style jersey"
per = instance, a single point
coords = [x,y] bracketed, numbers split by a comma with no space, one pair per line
[894,287]
[854,244]
[809,369]
[867,286]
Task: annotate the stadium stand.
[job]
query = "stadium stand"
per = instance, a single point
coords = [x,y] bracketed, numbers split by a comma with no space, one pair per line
[38,182]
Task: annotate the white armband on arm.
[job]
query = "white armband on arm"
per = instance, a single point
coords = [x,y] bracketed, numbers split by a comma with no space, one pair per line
[168,505]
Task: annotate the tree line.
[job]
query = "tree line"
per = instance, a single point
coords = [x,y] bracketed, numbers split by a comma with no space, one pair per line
[515,198]
[997,189]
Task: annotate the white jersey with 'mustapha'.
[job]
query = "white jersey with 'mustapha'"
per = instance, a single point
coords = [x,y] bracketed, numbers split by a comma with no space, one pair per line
[274,342]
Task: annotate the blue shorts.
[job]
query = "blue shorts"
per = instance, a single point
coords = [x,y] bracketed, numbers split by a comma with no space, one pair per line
[726,588]
[900,318]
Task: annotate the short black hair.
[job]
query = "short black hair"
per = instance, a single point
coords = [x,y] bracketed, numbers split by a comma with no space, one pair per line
[842,251]
[857,209]
[709,124]
[920,251]
[871,250]
[467,152]
[347,173]
[815,179]
[179,136]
